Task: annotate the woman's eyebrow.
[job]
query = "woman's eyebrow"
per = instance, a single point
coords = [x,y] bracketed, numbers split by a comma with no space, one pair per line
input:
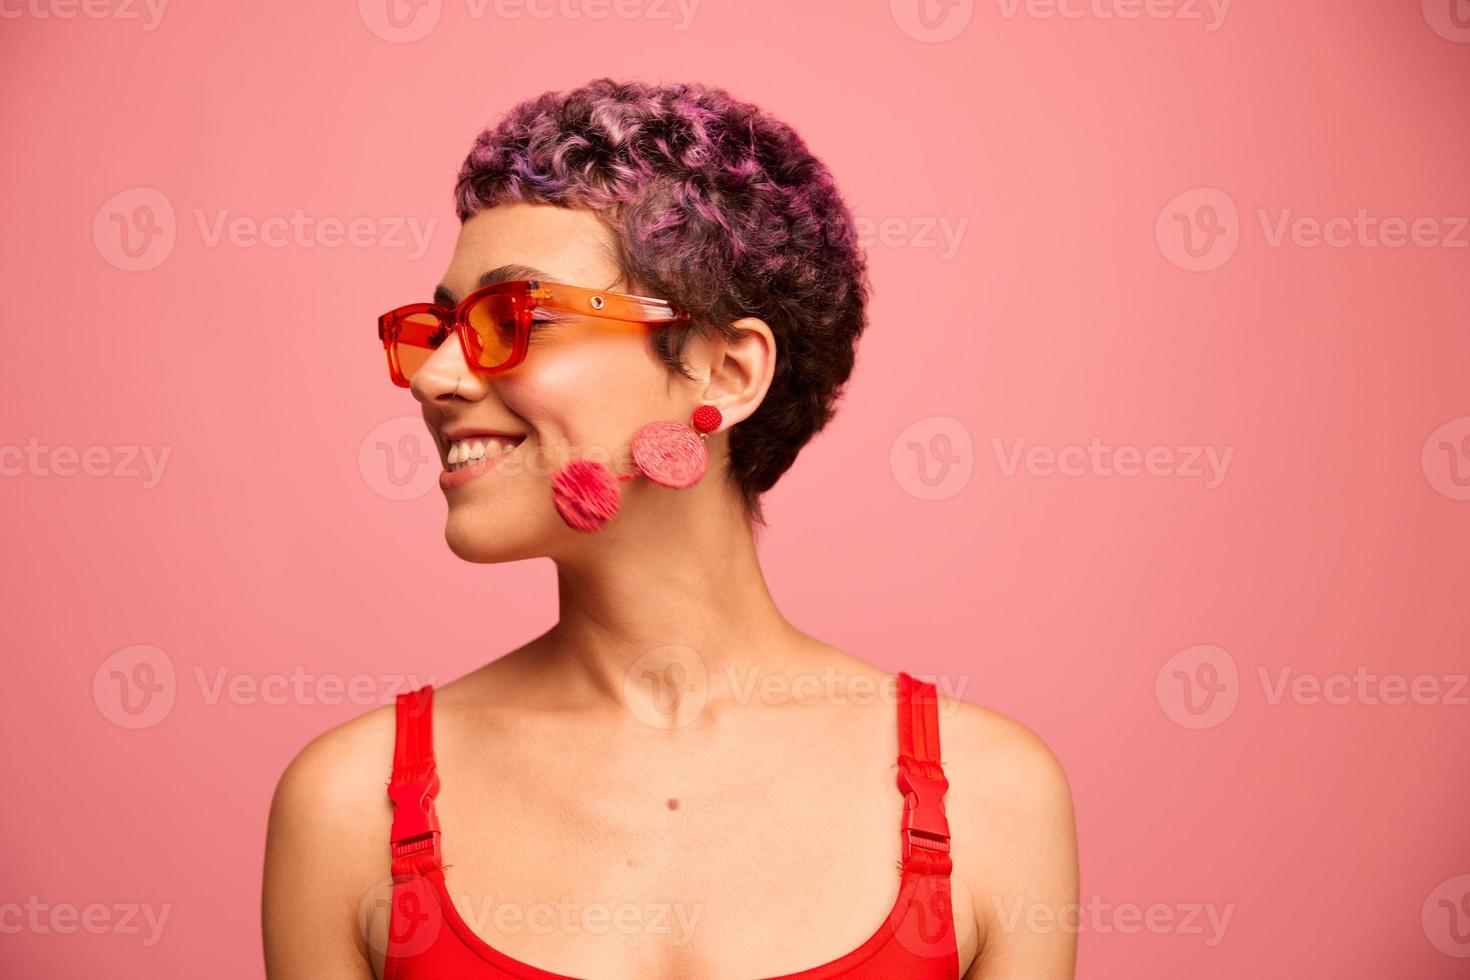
[444,296]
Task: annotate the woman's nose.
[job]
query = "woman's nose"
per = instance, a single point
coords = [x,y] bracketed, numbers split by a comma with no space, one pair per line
[447,374]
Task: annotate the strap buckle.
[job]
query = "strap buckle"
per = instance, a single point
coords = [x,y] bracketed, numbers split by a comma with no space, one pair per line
[924,823]
[415,824]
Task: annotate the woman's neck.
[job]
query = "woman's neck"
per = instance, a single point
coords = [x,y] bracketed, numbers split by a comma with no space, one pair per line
[667,608]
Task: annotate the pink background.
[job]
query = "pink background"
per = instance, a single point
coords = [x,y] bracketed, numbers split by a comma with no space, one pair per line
[1072,310]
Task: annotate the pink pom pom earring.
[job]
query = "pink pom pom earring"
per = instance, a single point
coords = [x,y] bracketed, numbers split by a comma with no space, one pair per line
[670,454]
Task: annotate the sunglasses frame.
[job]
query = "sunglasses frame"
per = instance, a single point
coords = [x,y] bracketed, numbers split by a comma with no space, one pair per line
[527,295]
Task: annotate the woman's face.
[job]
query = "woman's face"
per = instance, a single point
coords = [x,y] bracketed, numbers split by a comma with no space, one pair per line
[586,386]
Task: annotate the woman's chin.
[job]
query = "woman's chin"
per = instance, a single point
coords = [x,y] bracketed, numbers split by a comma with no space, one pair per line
[488,539]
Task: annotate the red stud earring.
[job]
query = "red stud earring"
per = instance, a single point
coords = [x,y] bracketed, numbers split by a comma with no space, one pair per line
[669,453]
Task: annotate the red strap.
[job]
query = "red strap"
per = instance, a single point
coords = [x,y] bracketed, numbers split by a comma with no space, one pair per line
[415,837]
[921,779]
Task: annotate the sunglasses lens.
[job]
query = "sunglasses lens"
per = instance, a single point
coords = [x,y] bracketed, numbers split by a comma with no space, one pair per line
[419,335]
[493,330]
[490,341]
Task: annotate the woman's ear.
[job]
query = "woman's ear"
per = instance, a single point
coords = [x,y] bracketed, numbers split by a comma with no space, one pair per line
[740,368]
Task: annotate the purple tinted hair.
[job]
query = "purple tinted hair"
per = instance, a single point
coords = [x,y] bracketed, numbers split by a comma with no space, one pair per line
[715,205]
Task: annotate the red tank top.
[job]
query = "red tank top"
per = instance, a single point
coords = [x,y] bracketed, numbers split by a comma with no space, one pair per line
[428,939]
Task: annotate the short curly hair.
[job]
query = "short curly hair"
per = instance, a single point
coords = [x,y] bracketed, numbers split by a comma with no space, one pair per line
[715,205]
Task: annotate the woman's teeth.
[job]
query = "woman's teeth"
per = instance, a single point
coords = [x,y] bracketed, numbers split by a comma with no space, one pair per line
[466,451]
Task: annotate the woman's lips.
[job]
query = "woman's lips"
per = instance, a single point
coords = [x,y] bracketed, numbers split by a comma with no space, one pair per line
[451,480]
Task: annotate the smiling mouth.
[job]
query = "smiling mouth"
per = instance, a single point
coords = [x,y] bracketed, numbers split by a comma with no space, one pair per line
[467,452]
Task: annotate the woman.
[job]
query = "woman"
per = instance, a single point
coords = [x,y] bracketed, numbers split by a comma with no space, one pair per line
[653,304]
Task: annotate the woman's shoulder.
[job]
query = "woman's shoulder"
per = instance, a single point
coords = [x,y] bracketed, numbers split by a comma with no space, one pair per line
[331,806]
[1013,828]
[333,768]
[1001,751]
[999,756]
[1009,802]
[327,854]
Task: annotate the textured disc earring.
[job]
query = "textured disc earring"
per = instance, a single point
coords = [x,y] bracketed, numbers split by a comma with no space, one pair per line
[672,454]
[586,494]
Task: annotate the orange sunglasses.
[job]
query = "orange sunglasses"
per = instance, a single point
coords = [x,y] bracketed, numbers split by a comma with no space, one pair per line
[494,323]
